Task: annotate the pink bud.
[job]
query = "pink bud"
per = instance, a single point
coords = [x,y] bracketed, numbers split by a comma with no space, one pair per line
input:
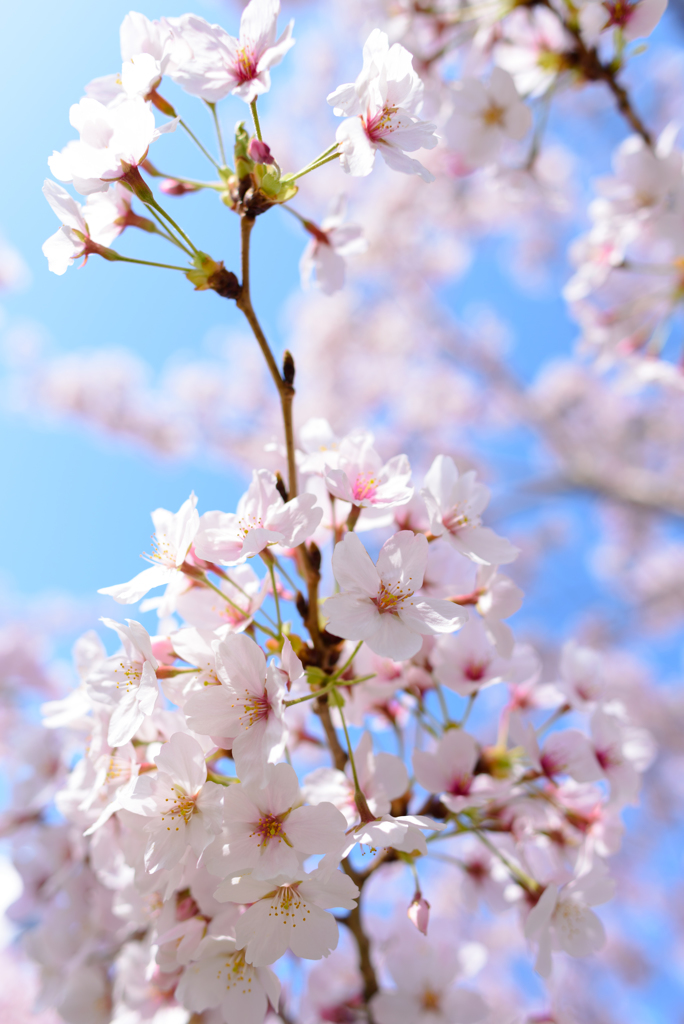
[186,908]
[171,187]
[419,913]
[259,152]
[162,648]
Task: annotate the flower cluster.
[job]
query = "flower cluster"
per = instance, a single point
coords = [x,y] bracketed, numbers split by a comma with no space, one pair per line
[334,714]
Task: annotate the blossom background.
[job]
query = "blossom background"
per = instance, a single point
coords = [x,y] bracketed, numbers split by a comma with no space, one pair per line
[102,419]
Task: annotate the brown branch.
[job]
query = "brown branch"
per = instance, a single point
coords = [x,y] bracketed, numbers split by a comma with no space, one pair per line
[286,391]
[355,926]
[594,70]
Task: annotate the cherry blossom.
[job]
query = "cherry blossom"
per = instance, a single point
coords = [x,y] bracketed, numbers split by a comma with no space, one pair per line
[184,810]
[485,115]
[269,831]
[376,603]
[262,518]
[454,505]
[221,64]
[361,478]
[173,536]
[379,110]
[113,140]
[450,772]
[297,902]
[99,221]
[382,777]
[467,662]
[424,977]
[562,918]
[221,978]
[247,706]
[324,259]
[126,681]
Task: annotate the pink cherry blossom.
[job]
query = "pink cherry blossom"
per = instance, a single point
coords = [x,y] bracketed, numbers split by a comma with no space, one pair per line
[378,603]
[247,706]
[262,518]
[361,478]
[454,505]
[269,832]
[468,661]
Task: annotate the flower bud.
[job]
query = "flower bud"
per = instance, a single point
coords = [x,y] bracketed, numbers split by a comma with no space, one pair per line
[419,913]
[171,187]
[260,152]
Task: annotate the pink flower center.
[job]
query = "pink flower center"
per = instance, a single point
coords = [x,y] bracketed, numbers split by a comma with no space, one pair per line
[247,523]
[460,786]
[475,670]
[255,708]
[454,520]
[390,598]
[620,12]
[269,827]
[379,125]
[245,65]
[365,487]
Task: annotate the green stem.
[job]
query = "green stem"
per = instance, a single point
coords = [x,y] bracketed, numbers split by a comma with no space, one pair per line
[558,713]
[469,708]
[172,222]
[327,688]
[442,702]
[312,167]
[219,136]
[198,143]
[257,126]
[264,629]
[520,876]
[274,587]
[172,238]
[283,572]
[340,671]
[150,263]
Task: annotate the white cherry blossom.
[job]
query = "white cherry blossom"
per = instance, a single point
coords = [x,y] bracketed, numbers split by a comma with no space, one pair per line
[262,518]
[221,64]
[379,603]
[425,975]
[324,259]
[113,140]
[219,977]
[184,810]
[126,681]
[100,221]
[288,913]
[173,536]
[485,115]
[562,919]
[455,503]
[379,110]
